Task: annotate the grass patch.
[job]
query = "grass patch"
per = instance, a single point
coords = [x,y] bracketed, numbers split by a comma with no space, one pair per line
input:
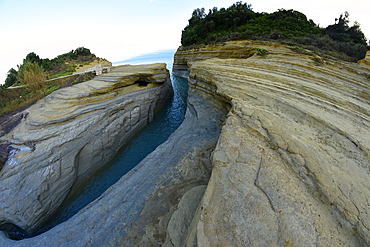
[60,75]
[51,89]
[261,52]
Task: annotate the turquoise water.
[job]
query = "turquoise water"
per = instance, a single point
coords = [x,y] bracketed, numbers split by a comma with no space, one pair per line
[165,122]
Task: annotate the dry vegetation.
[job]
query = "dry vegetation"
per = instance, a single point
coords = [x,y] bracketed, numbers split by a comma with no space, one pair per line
[36,77]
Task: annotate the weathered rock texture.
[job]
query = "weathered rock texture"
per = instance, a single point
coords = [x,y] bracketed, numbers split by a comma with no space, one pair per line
[291,166]
[65,137]
[366,60]
[162,192]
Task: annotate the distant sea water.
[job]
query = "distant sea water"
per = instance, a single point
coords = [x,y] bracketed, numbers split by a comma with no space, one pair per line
[156,57]
[165,122]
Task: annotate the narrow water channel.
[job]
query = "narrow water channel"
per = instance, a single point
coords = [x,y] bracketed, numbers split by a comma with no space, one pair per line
[165,122]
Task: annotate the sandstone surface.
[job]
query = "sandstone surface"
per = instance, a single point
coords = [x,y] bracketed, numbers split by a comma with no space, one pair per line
[366,60]
[291,166]
[149,206]
[274,151]
[62,139]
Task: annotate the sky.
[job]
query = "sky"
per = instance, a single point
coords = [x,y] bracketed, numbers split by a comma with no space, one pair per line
[118,29]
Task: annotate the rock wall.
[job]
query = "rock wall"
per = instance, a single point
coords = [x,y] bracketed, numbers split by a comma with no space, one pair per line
[58,142]
[291,166]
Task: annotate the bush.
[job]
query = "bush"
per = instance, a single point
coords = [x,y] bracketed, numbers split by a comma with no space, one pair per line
[32,75]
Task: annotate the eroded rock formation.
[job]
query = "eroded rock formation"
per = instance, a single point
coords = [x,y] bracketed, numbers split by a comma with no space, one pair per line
[291,166]
[138,208]
[65,137]
[273,151]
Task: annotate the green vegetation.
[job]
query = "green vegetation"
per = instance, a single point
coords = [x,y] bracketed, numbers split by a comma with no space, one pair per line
[61,65]
[31,78]
[261,52]
[16,98]
[51,89]
[239,22]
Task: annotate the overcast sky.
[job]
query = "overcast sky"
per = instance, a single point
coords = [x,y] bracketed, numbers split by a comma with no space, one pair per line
[120,29]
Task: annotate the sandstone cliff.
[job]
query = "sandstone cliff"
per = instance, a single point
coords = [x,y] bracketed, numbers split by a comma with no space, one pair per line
[65,137]
[273,151]
[291,166]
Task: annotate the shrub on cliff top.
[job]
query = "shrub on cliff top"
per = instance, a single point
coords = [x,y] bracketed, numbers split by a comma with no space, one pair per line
[32,75]
[240,22]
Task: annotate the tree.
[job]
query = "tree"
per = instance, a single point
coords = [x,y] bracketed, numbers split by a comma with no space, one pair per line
[342,32]
[82,51]
[356,35]
[12,78]
[33,58]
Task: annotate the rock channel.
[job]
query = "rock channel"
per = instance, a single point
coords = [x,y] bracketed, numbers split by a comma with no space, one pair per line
[154,204]
[64,138]
[274,151]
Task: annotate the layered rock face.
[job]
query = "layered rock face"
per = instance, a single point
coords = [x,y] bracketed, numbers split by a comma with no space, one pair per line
[56,143]
[153,204]
[291,166]
[273,151]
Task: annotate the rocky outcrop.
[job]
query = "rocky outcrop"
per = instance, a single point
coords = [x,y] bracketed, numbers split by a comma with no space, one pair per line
[68,135]
[184,58]
[149,206]
[291,166]
[366,60]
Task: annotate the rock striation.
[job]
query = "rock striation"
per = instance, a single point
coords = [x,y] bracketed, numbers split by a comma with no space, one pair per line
[292,163]
[274,151]
[153,204]
[55,144]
